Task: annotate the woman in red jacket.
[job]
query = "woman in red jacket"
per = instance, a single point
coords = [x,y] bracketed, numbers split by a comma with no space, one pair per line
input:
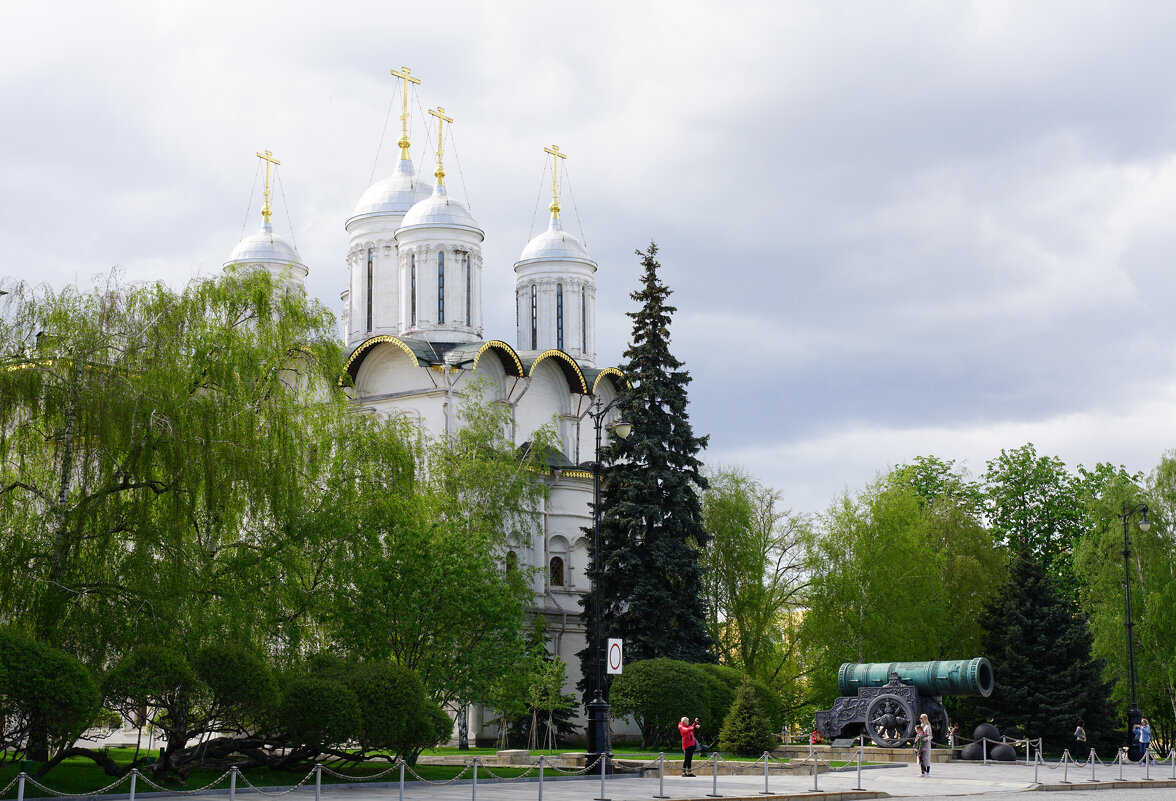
[689,743]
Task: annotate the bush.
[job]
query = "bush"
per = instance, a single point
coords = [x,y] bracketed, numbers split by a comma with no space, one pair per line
[658,692]
[319,713]
[240,681]
[396,714]
[48,695]
[747,731]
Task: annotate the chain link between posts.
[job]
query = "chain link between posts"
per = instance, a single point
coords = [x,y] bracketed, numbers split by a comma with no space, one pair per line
[161,788]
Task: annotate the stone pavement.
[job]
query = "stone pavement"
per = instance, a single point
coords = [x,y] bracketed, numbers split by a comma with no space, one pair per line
[996,781]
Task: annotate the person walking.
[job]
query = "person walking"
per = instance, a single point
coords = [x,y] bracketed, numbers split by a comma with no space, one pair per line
[689,744]
[1081,750]
[923,744]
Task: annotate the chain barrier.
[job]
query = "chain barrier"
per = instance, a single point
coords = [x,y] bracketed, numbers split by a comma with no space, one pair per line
[42,787]
[161,788]
[521,776]
[257,789]
[421,778]
[373,777]
[8,786]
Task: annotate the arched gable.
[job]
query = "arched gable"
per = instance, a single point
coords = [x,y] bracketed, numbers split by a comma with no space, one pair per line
[571,371]
[511,364]
[364,349]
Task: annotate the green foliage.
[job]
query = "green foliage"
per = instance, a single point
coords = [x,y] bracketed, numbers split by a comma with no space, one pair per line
[48,697]
[746,730]
[396,714]
[1098,564]
[415,583]
[1040,649]
[648,573]
[897,576]
[755,577]
[1034,504]
[657,693]
[318,713]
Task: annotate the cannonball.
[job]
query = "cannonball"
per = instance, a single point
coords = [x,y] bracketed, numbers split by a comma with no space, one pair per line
[986,731]
[1002,752]
[973,752]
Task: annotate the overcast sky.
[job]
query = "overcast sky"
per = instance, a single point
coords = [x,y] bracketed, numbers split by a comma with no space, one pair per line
[891,228]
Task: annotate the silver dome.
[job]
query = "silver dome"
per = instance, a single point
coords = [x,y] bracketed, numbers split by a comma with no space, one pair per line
[393,195]
[264,246]
[438,211]
[555,244]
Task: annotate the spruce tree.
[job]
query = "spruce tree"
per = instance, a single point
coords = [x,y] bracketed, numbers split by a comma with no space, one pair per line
[1046,679]
[651,531]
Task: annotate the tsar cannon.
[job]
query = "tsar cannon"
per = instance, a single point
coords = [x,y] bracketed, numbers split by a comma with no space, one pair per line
[885,699]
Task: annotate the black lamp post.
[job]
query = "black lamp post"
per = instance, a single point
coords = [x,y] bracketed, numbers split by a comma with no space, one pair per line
[598,717]
[1133,714]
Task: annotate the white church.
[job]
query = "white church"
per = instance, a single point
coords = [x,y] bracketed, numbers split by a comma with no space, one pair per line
[412,329]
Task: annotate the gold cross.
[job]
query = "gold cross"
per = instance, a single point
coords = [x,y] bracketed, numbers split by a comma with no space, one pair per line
[268,158]
[404,73]
[439,173]
[555,157]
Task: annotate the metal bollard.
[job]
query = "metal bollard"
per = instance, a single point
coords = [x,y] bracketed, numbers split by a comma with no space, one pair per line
[1093,757]
[1026,752]
[1066,766]
[475,785]
[861,748]
[318,782]
[714,793]
[233,783]
[402,779]
[1147,764]
[1121,750]
[816,771]
[1036,762]
[661,776]
[20,787]
[134,776]
[603,765]
[984,747]
[766,791]
[540,777]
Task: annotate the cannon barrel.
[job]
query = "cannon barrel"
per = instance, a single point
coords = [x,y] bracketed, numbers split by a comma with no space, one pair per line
[940,677]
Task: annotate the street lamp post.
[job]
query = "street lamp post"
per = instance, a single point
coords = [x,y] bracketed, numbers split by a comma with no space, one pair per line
[1133,714]
[598,714]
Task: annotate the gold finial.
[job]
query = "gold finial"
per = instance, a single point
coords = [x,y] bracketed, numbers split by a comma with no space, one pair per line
[555,157]
[439,173]
[268,158]
[405,75]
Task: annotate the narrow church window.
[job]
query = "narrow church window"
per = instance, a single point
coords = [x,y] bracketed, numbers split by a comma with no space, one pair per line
[556,574]
[412,298]
[469,283]
[441,287]
[559,316]
[534,319]
[512,561]
[584,321]
[369,291]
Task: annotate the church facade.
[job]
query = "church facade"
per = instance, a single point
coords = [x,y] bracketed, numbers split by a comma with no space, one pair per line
[412,328]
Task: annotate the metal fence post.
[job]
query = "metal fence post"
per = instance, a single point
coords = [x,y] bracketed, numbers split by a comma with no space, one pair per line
[134,776]
[318,782]
[233,783]
[1093,760]
[815,772]
[20,787]
[475,785]
[603,764]
[1147,764]
[1026,752]
[1036,762]
[1066,766]
[1120,764]
[861,748]
[541,777]
[661,775]
[402,779]
[714,793]
[984,747]
[766,757]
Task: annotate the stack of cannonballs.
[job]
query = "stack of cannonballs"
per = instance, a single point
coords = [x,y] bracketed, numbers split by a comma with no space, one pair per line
[997,750]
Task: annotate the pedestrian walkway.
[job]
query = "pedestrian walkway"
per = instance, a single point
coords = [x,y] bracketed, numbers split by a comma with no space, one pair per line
[996,781]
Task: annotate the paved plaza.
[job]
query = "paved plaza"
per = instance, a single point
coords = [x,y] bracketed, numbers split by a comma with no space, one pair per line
[996,781]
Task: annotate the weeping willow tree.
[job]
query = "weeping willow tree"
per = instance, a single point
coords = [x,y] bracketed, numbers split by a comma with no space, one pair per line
[154,447]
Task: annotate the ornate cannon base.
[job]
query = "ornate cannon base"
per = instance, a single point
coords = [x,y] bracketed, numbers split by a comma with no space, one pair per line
[886,714]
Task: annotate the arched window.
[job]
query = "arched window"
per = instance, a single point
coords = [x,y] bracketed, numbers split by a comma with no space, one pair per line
[441,287]
[512,561]
[559,316]
[412,297]
[555,576]
[469,284]
[370,281]
[584,321]
[534,318]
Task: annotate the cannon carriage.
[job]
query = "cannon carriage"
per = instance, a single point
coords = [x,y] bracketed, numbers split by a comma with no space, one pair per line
[885,699]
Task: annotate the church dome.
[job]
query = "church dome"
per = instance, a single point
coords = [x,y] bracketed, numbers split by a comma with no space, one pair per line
[555,244]
[264,246]
[438,211]
[394,195]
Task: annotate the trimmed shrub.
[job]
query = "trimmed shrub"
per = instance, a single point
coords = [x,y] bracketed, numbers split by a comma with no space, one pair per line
[319,713]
